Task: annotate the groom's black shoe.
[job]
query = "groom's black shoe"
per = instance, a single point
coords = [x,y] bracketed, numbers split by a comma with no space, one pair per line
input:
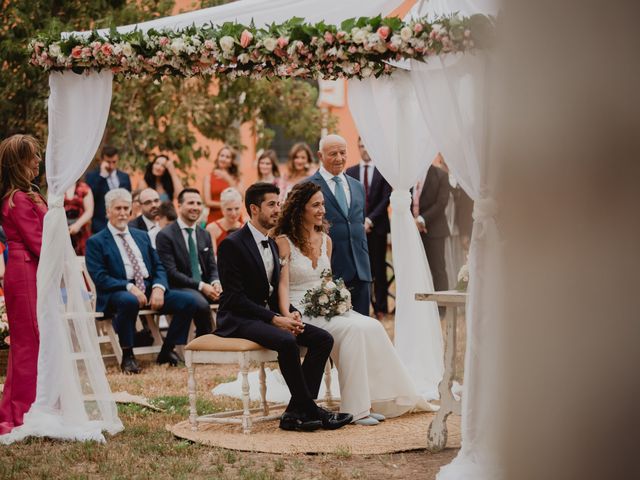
[333,421]
[299,422]
[168,355]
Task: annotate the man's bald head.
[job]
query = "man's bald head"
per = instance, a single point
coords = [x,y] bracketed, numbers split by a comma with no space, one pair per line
[333,153]
[149,203]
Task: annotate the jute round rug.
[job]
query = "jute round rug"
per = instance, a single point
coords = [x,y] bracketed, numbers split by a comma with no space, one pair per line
[408,432]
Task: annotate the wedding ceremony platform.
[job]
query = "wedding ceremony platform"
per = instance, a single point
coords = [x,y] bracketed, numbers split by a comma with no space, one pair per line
[406,111]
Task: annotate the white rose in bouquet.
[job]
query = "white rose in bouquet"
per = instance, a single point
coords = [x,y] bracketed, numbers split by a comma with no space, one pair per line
[406,33]
[330,285]
[323,300]
[342,308]
[270,43]
[227,43]
[344,293]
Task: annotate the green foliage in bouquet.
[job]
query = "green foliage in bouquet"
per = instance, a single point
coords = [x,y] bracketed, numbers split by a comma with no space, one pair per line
[330,299]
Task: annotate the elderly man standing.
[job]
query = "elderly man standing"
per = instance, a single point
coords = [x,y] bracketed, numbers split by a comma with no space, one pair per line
[129,276]
[147,221]
[345,207]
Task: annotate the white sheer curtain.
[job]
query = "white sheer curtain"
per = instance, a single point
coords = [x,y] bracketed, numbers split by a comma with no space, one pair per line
[389,121]
[73,399]
[454,94]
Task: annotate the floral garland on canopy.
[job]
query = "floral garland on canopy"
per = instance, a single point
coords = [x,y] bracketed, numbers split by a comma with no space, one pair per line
[357,48]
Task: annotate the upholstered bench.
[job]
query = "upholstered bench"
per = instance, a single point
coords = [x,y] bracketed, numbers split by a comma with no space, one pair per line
[210,349]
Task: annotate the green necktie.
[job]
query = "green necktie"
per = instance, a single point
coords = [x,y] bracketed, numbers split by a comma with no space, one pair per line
[341,197]
[193,257]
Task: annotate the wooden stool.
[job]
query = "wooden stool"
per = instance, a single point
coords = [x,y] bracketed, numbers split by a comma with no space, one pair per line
[211,348]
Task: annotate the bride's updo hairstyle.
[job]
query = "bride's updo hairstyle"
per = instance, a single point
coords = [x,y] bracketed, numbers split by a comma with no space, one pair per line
[290,222]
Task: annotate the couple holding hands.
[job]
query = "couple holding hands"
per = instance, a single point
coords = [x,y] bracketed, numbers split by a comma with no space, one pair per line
[265,280]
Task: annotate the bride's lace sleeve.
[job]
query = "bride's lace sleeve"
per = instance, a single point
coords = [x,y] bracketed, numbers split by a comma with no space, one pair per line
[284,260]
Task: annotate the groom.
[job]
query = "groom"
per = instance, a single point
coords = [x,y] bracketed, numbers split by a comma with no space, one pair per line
[345,204]
[249,268]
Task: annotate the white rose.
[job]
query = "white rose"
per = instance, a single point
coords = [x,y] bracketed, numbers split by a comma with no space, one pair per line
[54,50]
[344,293]
[227,43]
[396,41]
[330,285]
[323,300]
[243,58]
[406,33]
[366,72]
[270,43]
[127,49]
[177,45]
[373,39]
[358,35]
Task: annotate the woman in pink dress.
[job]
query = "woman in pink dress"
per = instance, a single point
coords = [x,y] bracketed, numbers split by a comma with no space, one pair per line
[22,211]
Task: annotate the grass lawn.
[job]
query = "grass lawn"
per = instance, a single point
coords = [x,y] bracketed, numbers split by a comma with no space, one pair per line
[146,450]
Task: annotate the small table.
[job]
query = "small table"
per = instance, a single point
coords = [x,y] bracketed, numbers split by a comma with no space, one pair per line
[437,434]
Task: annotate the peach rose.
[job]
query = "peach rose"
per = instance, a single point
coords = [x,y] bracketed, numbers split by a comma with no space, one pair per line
[383,32]
[245,38]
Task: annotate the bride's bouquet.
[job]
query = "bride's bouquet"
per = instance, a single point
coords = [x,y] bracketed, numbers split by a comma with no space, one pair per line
[330,299]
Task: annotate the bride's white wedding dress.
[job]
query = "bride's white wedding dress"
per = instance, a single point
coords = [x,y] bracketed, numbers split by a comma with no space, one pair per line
[370,373]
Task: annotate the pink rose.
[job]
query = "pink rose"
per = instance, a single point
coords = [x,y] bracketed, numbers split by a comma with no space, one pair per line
[209,45]
[283,42]
[76,52]
[383,32]
[164,41]
[86,51]
[417,28]
[341,35]
[245,38]
[328,37]
[106,49]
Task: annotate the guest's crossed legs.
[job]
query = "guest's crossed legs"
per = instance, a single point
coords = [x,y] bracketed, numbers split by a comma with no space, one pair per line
[125,307]
[303,380]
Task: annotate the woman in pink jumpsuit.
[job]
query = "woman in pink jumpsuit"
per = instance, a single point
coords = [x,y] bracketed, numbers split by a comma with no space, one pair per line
[22,211]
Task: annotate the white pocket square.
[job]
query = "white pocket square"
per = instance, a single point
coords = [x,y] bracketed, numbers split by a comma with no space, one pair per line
[206,249]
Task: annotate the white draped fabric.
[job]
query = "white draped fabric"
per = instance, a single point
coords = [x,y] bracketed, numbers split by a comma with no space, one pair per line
[454,95]
[389,121]
[73,399]
[263,12]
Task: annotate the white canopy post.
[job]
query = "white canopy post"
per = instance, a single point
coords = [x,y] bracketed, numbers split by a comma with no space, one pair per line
[389,121]
[73,398]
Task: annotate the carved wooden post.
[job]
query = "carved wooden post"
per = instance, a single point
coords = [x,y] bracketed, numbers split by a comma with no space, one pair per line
[246,414]
[191,388]
[263,390]
[328,396]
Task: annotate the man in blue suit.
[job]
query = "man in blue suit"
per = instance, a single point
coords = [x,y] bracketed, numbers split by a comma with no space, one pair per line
[345,206]
[101,181]
[129,276]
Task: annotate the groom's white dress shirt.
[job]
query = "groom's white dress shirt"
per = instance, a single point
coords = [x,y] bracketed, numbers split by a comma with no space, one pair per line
[265,253]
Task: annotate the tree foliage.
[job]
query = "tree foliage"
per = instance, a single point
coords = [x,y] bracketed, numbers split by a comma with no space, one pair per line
[146,115]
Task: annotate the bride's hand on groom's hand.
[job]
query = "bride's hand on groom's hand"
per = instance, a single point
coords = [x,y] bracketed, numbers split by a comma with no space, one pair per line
[291,324]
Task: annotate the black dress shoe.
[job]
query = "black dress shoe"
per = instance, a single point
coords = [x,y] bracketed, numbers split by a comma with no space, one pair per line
[299,422]
[333,421]
[168,356]
[130,366]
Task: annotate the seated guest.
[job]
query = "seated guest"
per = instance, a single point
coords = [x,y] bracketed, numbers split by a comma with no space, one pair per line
[231,204]
[147,220]
[135,203]
[102,180]
[166,214]
[129,276]
[186,251]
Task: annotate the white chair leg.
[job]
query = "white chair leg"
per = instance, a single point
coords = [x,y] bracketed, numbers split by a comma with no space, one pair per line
[328,396]
[191,387]
[113,338]
[263,390]
[246,414]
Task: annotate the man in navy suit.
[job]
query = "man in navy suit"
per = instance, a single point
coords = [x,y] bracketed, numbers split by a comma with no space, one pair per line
[377,192]
[129,276]
[186,251]
[345,206]
[249,267]
[102,180]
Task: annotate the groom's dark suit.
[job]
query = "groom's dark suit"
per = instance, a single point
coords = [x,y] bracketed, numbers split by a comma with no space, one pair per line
[247,308]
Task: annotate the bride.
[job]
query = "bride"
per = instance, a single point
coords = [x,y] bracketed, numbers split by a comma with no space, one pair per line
[373,382]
